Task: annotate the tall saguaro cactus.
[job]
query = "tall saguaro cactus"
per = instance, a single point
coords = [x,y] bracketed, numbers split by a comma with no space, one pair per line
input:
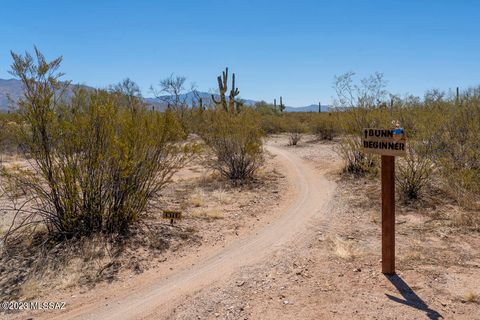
[231,105]
[282,106]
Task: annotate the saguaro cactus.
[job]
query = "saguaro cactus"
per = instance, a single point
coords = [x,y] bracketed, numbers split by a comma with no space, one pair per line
[282,106]
[222,80]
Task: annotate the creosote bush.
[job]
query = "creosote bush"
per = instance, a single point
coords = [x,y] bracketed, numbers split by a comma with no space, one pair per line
[295,129]
[413,173]
[357,162]
[236,141]
[98,159]
[324,127]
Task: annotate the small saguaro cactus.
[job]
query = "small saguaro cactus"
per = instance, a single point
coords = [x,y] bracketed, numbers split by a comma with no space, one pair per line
[222,80]
[282,106]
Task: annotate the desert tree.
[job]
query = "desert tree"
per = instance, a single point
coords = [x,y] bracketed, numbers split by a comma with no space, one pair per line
[97,160]
[173,92]
[129,92]
[359,98]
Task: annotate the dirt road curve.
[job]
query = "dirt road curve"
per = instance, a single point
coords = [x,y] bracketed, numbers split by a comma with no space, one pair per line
[313,191]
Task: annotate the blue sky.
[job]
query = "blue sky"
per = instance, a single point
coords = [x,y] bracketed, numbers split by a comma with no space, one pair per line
[288,48]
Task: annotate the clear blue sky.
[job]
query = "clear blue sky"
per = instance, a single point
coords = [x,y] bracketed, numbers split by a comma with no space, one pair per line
[289,48]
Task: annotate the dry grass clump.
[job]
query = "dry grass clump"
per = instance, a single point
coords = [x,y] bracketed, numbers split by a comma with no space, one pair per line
[33,266]
[197,198]
[342,248]
[208,214]
[472,297]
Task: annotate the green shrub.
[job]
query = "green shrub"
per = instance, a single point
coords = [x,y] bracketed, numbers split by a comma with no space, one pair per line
[295,129]
[414,172]
[236,141]
[324,127]
[456,150]
[97,161]
[357,162]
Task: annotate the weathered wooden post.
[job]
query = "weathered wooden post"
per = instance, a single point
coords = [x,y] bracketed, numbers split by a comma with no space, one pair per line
[388,214]
[388,143]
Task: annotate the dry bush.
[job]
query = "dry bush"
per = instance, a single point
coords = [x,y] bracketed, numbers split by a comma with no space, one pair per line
[357,162]
[96,161]
[272,124]
[325,127]
[294,138]
[295,129]
[342,248]
[363,106]
[236,141]
[456,150]
[9,127]
[414,172]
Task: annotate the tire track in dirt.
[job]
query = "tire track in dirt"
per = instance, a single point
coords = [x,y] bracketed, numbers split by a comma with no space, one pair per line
[313,193]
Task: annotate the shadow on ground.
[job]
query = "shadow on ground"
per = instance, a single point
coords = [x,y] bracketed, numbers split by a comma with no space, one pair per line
[410,298]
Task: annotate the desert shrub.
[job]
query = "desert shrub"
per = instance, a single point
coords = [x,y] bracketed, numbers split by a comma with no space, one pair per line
[236,141]
[97,162]
[414,172]
[325,127]
[456,150]
[357,162]
[294,138]
[295,129]
[272,124]
[9,124]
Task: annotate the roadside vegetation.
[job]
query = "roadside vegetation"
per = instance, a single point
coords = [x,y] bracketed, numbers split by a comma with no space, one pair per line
[92,165]
[442,136]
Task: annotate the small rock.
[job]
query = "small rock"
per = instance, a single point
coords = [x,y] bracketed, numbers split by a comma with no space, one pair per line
[285,302]
[240,283]
[357,270]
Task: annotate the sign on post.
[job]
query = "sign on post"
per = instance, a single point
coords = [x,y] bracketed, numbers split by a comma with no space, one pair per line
[172,215]
[385,142]
[388,143]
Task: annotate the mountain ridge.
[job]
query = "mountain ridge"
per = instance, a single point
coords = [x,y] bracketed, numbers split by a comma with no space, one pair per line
[11,90]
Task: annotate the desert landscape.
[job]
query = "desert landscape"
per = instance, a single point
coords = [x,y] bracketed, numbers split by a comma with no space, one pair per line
[302,244]
[239,160]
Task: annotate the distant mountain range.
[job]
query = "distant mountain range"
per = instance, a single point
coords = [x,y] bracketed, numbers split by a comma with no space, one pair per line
[12,89]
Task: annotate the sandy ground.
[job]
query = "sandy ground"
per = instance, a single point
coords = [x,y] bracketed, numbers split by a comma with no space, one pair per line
[315,255]
[335,272]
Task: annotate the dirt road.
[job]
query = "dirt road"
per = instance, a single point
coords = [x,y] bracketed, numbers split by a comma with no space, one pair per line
[312,192]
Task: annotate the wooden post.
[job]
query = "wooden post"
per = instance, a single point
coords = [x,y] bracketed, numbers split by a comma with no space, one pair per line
[388,214]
